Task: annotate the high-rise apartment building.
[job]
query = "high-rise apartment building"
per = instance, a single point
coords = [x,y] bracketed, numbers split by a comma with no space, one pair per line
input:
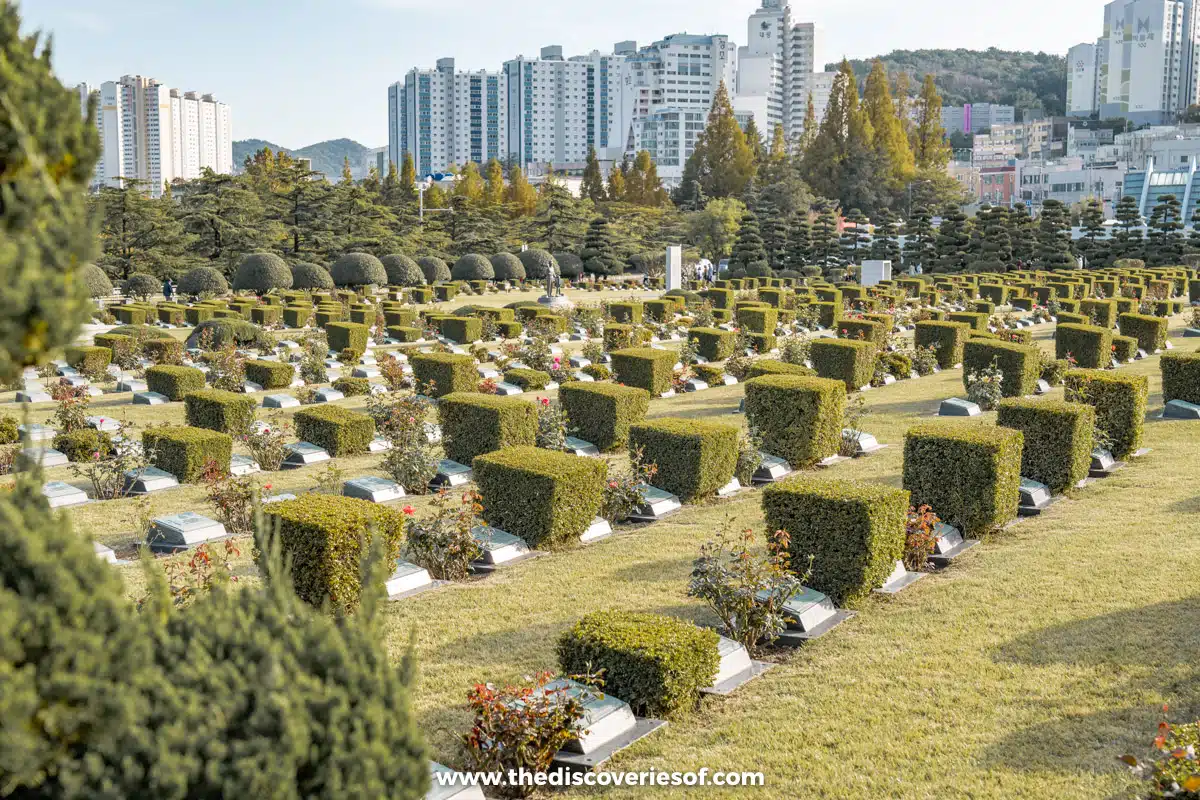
[776,70]
[152,133]
[976,117]
[1083,80]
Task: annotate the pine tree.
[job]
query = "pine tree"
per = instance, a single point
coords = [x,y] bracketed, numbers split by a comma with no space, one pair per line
[775,235]
[995,246]
[617,188]
[598,253]
[800,242]
[561,222]
[824,245]
[884,242]
[1022,234]
[1054,237]
[226,218]
[643,187]
[1127,237]
[390,189]
[855,238]
[903,104]
[723,161]
[929,145]
[470,185]
[811,126]
[593,182]
[304,206]
[408,178]
[953,242]
[494,189]
[919,240]
[754,139]
[749,252]
[521,195]
[1093,245]
[1164,244]
[891,142]
[138,233]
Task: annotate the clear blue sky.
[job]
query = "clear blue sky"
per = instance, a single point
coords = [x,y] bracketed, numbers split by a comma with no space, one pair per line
[301,71]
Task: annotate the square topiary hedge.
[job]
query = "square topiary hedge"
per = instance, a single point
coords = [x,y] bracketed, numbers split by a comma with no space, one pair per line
[854,531]
[352,387]
[659,310]
[403,317]
[758,320]
[1021,365]
[1058,439]
[630,312]
[863,330]
[715,344]
[773,366]
[531,380]
[849,361]
[969,474]
[994,293]
[1181,377]
[621,337]
[420,295]
[645,368]
[1067,318]
[1089,345]
[270,374]
[297,316]
[170,313]
[948,337]
[89,360]
[462,330]
[799,418]
[340,431]
[1124,348]
[1151,332]
[1100,312]
[603,412]
[545,497]
[130,315]
[347,335]
[695,457]
[186,452]
[657,664]
[197,314]
[721,298]
[174,382]
[266,315]
[976,321]
[474,424]
[323,537]
[439,374]
[216,410]
[402,334]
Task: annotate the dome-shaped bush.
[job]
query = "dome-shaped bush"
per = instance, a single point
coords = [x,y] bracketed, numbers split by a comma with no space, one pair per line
[141,332]
[536,263]
[402,271]
[203,280]
[358,269]
[472,267]
[310,276]
[97,283]
[569,265]
[508,267]
[224,331]
[434,269]
[262,272]
[142,284]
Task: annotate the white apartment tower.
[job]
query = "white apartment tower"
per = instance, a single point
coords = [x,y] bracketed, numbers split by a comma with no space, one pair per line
[87,95]
[553,108]
[154,134]
[1147,70]
[1083,80]
[776,70]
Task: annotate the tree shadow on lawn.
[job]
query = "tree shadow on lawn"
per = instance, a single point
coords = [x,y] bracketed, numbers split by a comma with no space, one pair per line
[1190,506]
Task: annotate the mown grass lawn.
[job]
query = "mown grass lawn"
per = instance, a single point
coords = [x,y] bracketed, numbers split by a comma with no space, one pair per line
[1021,672]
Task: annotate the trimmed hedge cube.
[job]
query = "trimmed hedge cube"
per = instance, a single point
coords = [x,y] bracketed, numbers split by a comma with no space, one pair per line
[773,366]
[1058,439]
[1151,332]
[863,330]
[197,314]
[400,318]
[186,452]
[1089,345]
[474,424]
[1124,348]
[851,362]
[130,315]
[439,374]
[340,431]
[630,312]
[621,337]
[715,344]
[171,313]
[758,320]
[270,374]
[977,322]
[216,410]
[347,335]
[827,313]
[297,316]
[323,537]
[1104,312]
[854,531]
[89,360]
[266,315]
[659,310]
[721,298]
[174,382]
[948,337]
[1021,365]
[531,380]
[645,368]
[603,412]
[1181,377]
[353,387]
[695,457]
[545,497]
[657,664]
[462,330]
[799,418]
[403,334]
[969,474]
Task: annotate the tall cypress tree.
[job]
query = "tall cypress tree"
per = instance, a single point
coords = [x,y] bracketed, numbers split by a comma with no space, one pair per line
[775,233]
[800,242]
[884,242]
[891,142]
[825,246]
[494,190]
[749,252]
[1021,232]
[929,146]
[408,178]
[1127,239]
[722,161]
[593,181]
[1093,246]
[918,240]
[1164,245]
[855,239]
[1054,237]
[953,241]
[995,246]
[598,254]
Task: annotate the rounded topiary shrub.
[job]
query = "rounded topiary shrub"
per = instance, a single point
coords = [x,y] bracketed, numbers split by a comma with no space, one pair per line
[142,284]
[98,284]
[262,272]
[472,267]
[402,270]
[203,280]
[434,269]
[358,269]
[507,267]
[537,262]
[310,276]
[569,265]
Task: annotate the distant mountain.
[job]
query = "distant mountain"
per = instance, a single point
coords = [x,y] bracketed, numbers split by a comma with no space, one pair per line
[327,157]
[1036,81]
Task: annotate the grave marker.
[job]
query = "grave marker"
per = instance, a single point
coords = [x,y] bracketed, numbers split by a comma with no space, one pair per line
[1179,409]
[183,531]
[498,547]
[736,668]
[957,407]
[949,545]
[61,495]
[608,726]
[450,474]
[280,401]
[327,395]
[372,489]
[302,454]
[773,469]
[809,614]
[150,399]
[899,580]
[656,504]
[148,480]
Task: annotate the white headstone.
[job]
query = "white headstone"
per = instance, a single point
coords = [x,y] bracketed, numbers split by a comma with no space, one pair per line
[674,267]
[873,272]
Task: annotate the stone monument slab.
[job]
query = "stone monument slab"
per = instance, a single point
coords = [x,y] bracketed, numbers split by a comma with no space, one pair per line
[302,454]
[182,531]
[372,489]
[61,495]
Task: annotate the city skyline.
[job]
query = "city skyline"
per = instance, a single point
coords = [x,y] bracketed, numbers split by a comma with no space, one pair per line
[273,67]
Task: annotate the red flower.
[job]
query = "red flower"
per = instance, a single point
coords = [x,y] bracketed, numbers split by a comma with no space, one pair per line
[409,510]
[545,401]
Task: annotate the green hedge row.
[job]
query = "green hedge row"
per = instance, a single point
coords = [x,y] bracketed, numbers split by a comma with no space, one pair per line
[185,452]
[1089,345]
[444,373]
[1020,364]
[174,382]
[851,362]
[1120,402]
[602,413]
[645,368]
[948,337]
[270,374]
[1181,377]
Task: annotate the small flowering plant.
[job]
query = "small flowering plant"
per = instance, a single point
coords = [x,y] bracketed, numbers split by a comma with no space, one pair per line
[920,538]
[1174,771]
[267,442]
[552,425]
[623,493]
[442,542]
